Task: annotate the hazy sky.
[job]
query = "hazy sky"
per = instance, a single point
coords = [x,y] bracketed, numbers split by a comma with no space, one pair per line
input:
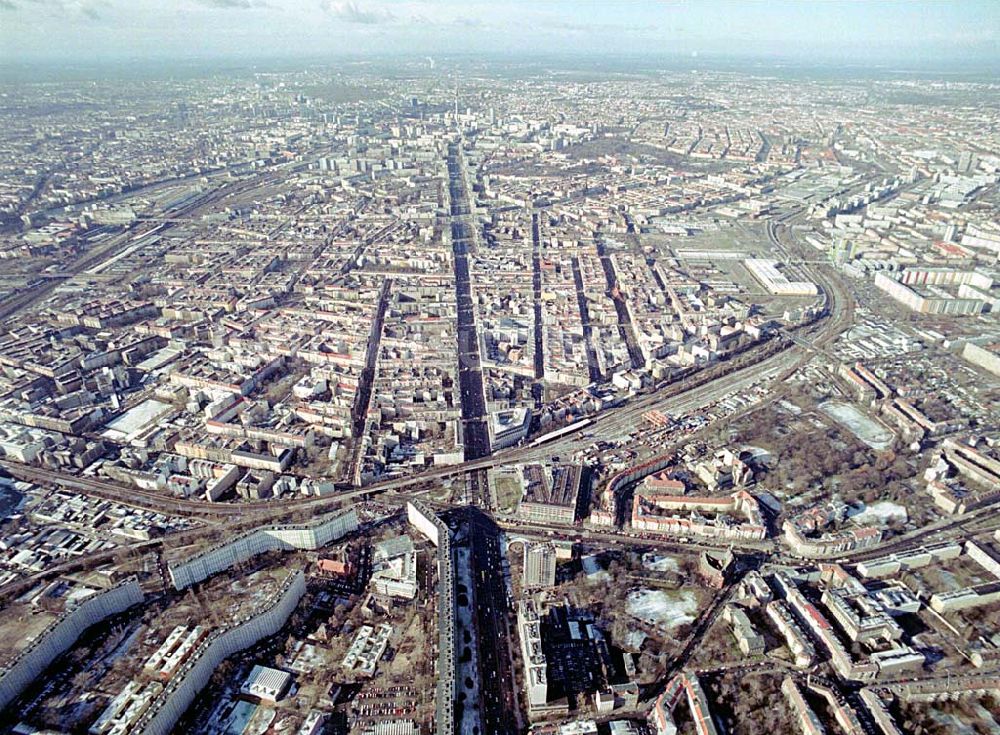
[95,30]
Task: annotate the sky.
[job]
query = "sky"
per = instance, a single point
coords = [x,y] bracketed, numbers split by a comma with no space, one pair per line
[899,31]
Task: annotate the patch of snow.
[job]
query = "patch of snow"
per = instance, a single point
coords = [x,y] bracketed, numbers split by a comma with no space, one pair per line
[657,563]
[592,568]
[661,608]
[759,454]
[987,718]
[951,723]
[880,514]
[868,430]
[634,639]
[790,407]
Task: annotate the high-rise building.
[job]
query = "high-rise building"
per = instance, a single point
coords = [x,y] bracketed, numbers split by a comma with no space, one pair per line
[966,161]
[843,250]
[539,565]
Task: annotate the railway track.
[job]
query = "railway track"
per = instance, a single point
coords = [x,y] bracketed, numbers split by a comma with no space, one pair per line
[275,509]
[839,316]
[146,500]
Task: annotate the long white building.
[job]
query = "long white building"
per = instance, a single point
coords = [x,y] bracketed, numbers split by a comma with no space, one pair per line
[797,641]
[828,544]
[62,633]
[271,538]
[437,532]
[424,520]
[532,656]
[193,676]
[774,281]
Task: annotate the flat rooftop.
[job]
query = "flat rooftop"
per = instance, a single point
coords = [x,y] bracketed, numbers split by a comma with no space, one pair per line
[560,487]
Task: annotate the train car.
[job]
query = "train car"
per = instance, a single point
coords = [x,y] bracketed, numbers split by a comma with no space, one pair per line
[568,429]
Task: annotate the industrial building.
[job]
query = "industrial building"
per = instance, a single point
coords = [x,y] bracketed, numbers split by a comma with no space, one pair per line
[550,495]
[265,684]
[775,282]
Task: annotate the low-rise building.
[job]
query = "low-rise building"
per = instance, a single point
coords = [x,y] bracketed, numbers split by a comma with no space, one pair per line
[508,428]
[266,684]
[879,712]
[367,648]
[807,720]
[803,653]
[747,638]
[733,517]
[529,631]
[683,685]
[550,496]
[967,597]
[828,544]
[395,568]
[861,617]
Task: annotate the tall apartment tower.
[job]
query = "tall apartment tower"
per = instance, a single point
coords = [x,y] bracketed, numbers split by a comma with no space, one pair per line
[539,565]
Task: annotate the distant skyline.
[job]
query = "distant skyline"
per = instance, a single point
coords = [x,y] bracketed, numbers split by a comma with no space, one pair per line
[832,31]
